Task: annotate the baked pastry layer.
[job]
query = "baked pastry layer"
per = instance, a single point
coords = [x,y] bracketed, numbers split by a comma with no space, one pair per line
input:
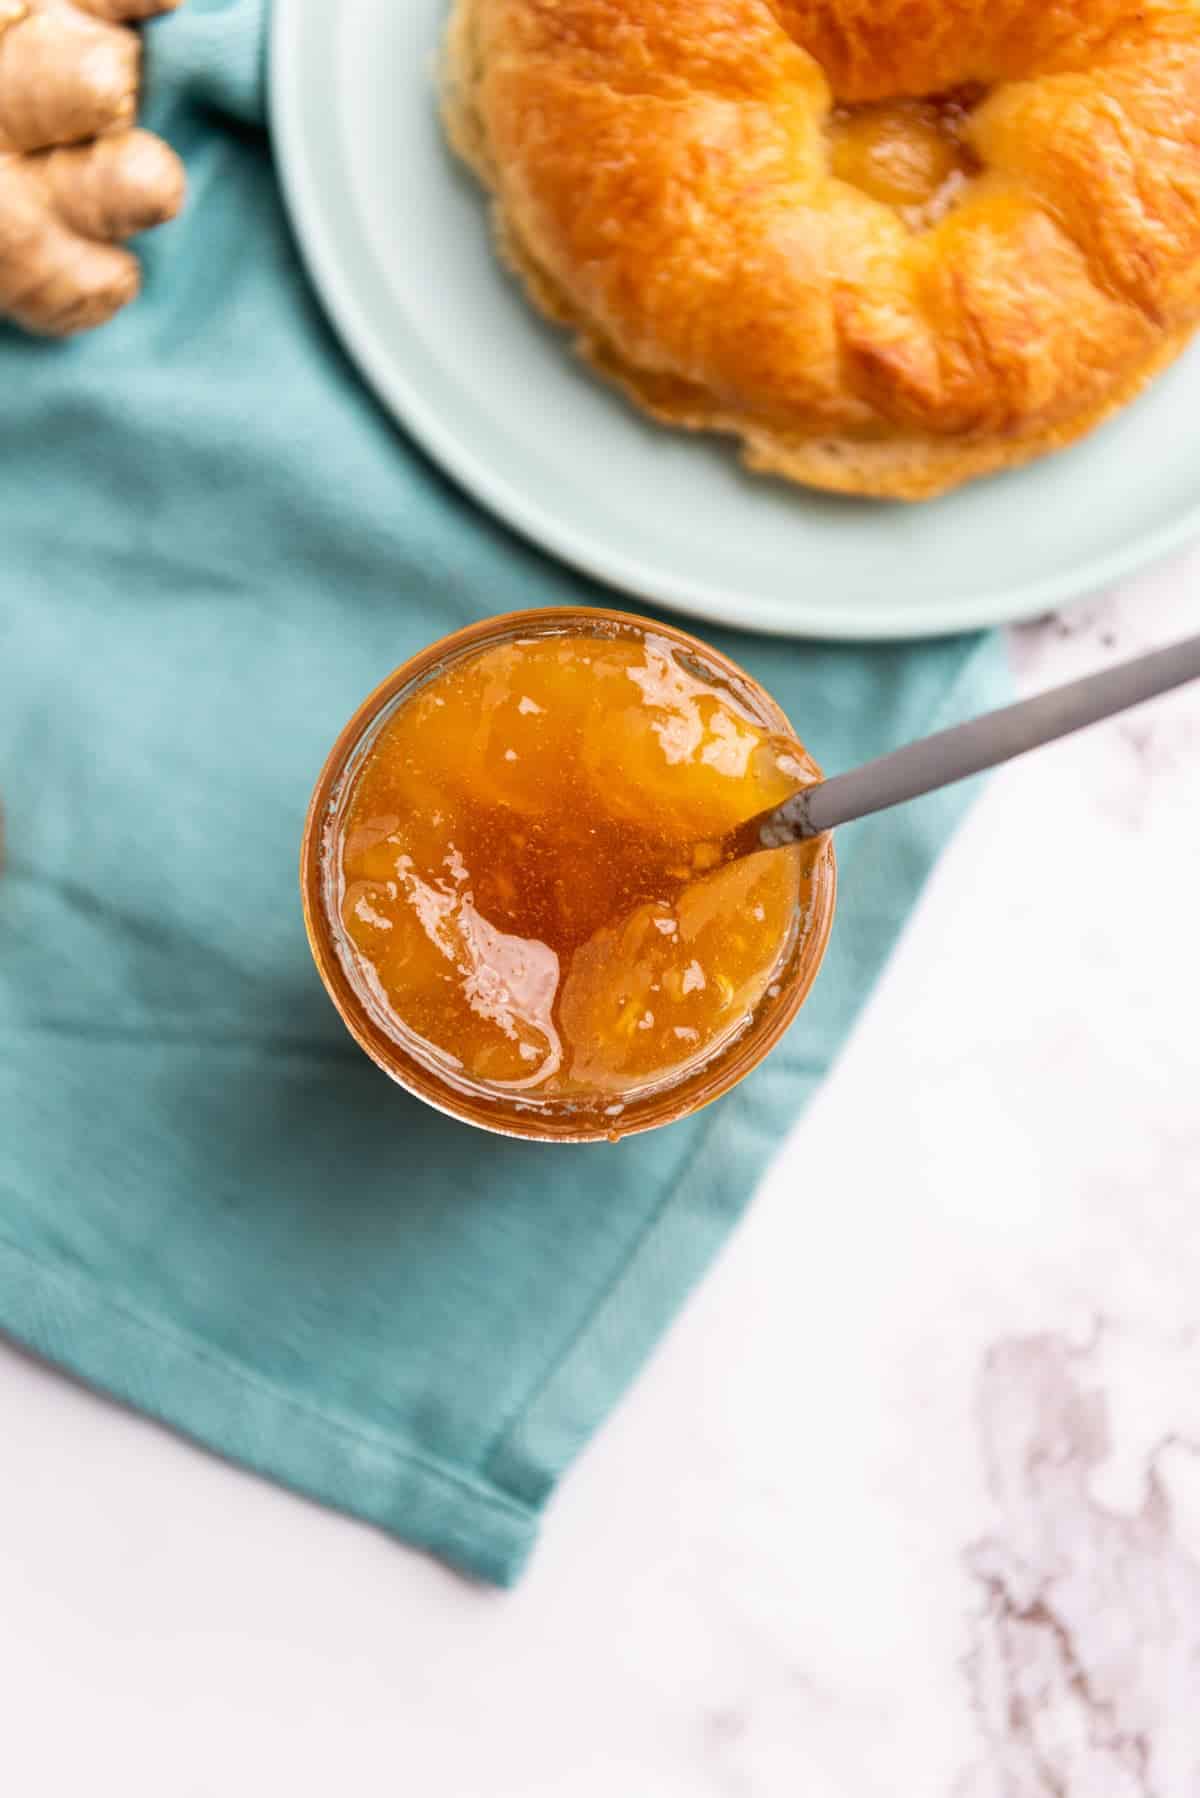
[714,196]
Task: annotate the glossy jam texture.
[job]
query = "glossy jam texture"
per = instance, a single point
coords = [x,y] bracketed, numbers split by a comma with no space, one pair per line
[519,885]
[910,154]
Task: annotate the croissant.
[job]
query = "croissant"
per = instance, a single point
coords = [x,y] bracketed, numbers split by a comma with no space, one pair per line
[889,245]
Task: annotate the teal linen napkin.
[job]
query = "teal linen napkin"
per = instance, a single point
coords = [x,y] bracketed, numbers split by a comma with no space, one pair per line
[211,1205]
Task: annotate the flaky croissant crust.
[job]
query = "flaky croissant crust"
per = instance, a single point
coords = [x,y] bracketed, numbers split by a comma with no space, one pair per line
[663,180]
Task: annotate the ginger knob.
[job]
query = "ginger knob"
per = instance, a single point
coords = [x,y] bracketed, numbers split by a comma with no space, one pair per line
[76,176]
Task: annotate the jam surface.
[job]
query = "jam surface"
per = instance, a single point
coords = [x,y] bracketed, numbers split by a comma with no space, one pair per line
[910,154]
[523,900]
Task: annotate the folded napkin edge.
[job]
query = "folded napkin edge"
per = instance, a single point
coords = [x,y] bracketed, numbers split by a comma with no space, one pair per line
[191,1387]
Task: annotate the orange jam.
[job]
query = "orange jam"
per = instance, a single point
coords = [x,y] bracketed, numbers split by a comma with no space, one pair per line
[910,154]
[522,873]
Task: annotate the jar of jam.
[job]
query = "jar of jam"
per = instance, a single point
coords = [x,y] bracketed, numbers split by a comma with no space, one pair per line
[513,885]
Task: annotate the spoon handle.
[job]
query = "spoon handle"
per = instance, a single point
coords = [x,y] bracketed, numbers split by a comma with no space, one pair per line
[966,749]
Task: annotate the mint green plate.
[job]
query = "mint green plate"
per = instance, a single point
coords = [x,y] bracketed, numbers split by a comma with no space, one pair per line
[396,238]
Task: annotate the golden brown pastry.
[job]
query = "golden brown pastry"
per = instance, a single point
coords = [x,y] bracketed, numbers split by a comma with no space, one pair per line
[889,244]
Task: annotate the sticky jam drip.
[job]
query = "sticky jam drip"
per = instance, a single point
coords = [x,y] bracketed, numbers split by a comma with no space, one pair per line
[517,883]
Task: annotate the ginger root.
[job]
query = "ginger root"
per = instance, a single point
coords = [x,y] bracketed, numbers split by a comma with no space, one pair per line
[76,177]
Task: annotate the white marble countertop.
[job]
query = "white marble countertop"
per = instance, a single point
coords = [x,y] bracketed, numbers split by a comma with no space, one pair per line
[907,1505]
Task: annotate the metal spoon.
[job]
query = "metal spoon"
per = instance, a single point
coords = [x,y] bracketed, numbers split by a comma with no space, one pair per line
[966,749]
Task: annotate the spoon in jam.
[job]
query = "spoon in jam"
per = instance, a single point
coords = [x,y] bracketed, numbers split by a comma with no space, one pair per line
[966,749]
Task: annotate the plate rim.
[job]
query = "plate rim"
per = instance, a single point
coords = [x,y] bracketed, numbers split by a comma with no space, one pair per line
[316,239]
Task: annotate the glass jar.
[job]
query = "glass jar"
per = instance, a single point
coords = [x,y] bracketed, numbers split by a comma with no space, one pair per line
[410,1061]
